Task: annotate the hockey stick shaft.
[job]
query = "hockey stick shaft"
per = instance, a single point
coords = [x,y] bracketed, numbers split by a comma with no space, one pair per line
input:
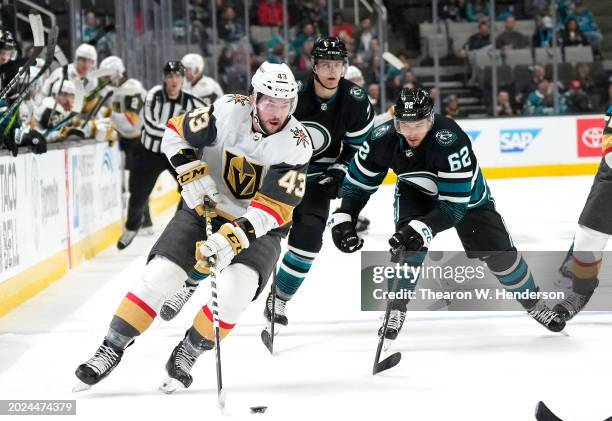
[208,209]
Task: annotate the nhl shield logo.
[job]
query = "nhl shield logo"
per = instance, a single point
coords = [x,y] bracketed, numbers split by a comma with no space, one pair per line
[242,177]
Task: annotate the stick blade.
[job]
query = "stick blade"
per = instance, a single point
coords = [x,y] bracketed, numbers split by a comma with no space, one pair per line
[545,414]
[221,399]
[38,32]
[267,340]
[389,362]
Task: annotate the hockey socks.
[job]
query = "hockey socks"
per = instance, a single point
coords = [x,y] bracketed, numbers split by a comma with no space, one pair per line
[293,270]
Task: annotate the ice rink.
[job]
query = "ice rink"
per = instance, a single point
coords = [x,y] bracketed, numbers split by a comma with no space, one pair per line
[474,366]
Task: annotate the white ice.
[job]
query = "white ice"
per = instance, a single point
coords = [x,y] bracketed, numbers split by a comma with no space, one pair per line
[460,366]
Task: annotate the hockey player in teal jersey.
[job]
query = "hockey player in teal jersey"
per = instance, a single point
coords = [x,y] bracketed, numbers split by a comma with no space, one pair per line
[439,186]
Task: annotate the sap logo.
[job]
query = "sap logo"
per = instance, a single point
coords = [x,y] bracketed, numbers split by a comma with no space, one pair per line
[473,134]
[517,140]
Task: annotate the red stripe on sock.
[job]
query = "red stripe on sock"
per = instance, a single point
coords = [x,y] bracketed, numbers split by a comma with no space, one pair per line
[585,264]
[141,304]
[209,316]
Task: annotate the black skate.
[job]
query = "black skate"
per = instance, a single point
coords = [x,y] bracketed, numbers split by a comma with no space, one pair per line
[548,318]
[173,305]
[98,367]
[126,239]
[572,305]
[178,368]
[362,224]
[396,321]
[279,310]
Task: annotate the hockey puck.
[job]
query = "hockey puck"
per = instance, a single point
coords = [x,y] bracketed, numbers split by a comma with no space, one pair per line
[258,409]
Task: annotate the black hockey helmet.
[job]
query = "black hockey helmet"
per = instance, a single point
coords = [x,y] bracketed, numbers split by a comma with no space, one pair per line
[329,48]
[7,42]
[174,66]
[413,105]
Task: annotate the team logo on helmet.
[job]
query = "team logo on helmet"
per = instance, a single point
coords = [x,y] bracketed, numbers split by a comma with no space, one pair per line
[242,177]
[300,136]
[445,137]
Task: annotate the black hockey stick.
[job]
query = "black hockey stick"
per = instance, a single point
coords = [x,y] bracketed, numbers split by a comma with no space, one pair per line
[267,337]
[545,414]
[394,359]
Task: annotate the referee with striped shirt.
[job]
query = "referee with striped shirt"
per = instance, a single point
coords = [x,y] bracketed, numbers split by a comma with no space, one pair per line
[162,103]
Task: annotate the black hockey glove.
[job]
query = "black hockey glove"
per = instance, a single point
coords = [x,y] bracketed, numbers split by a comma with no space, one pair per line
[331,181]
[343,232]
[8,141]
[411,237]
[36,141]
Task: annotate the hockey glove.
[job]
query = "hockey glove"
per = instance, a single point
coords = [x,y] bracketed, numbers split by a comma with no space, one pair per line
[223,245]
[35,140]
[8,140]
[344,234]
[413,236]
[331,182]
[197,184]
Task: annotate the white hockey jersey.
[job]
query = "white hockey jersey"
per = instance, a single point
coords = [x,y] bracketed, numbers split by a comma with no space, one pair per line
[126,106]
[89,83]
[206,88]
[261,178]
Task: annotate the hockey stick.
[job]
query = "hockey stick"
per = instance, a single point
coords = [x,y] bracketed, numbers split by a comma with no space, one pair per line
[63,62]
[545,414]
[38,35]
[267,337]
[392,360]
[208,210]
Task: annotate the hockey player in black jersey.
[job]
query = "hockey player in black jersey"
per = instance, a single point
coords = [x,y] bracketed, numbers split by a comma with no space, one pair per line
[439,186]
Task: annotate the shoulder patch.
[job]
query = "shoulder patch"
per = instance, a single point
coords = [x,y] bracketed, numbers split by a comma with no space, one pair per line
[357,92]
[446,137]
[301,137]
[381,130]
[238,99]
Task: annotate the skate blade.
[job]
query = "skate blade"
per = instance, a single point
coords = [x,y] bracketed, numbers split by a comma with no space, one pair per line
[170,385]
[80,386]
[387,344]
[146,232]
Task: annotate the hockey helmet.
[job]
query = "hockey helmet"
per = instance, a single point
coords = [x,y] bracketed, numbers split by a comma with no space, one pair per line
[353,72]
[7,42]
[115,64]
[174,66]
[413,105]
[329,48]
[193,61]
[86,51]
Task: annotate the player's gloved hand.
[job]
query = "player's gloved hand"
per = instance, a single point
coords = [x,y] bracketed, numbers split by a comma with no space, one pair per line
[331,182]
[223,245]
[35,140]
[343,232]
[411,237]
[8,140]
[103,129]
[197,184]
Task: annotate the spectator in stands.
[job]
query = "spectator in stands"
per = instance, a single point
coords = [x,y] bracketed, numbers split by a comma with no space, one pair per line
[510,37]
[374,94]
[541,100]
[578,102]
[451,109]
[230,30]
[479,40]
[341,29]
[371,73]
[373,50]
[270,13]
[572,35]
[524,88]
[543,35]
[588,26]
[306,34]
[433,93]
[90,29]
[584,75]
[504,106]
[354,75]
[476,9]
[302,61]
[450,10]
[277,54]
[364,34]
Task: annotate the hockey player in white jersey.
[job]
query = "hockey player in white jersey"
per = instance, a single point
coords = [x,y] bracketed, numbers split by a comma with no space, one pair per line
[249,155]
[85,62]
[203,87]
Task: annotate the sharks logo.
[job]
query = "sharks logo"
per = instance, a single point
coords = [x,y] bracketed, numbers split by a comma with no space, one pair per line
[445,137]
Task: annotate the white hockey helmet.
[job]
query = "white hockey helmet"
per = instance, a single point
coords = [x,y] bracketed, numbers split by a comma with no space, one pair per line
[86,51]
[193,61]
[353,72]
[67,88]
[115,64]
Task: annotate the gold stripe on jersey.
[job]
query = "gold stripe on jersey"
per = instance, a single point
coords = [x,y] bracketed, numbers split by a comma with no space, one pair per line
[282,212]
[177,124]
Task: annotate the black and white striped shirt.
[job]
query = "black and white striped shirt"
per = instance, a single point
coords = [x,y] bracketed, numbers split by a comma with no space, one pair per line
[158,109]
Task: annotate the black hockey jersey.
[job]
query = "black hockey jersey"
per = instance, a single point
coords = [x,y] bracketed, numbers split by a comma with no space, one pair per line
[337,126]
[443,167]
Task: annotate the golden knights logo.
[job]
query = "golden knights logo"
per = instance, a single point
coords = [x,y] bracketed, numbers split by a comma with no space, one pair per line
[242,177]
[239,99]
[300,136]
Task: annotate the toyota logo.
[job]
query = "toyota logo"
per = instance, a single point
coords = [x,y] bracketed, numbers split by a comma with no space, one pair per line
[592,136]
